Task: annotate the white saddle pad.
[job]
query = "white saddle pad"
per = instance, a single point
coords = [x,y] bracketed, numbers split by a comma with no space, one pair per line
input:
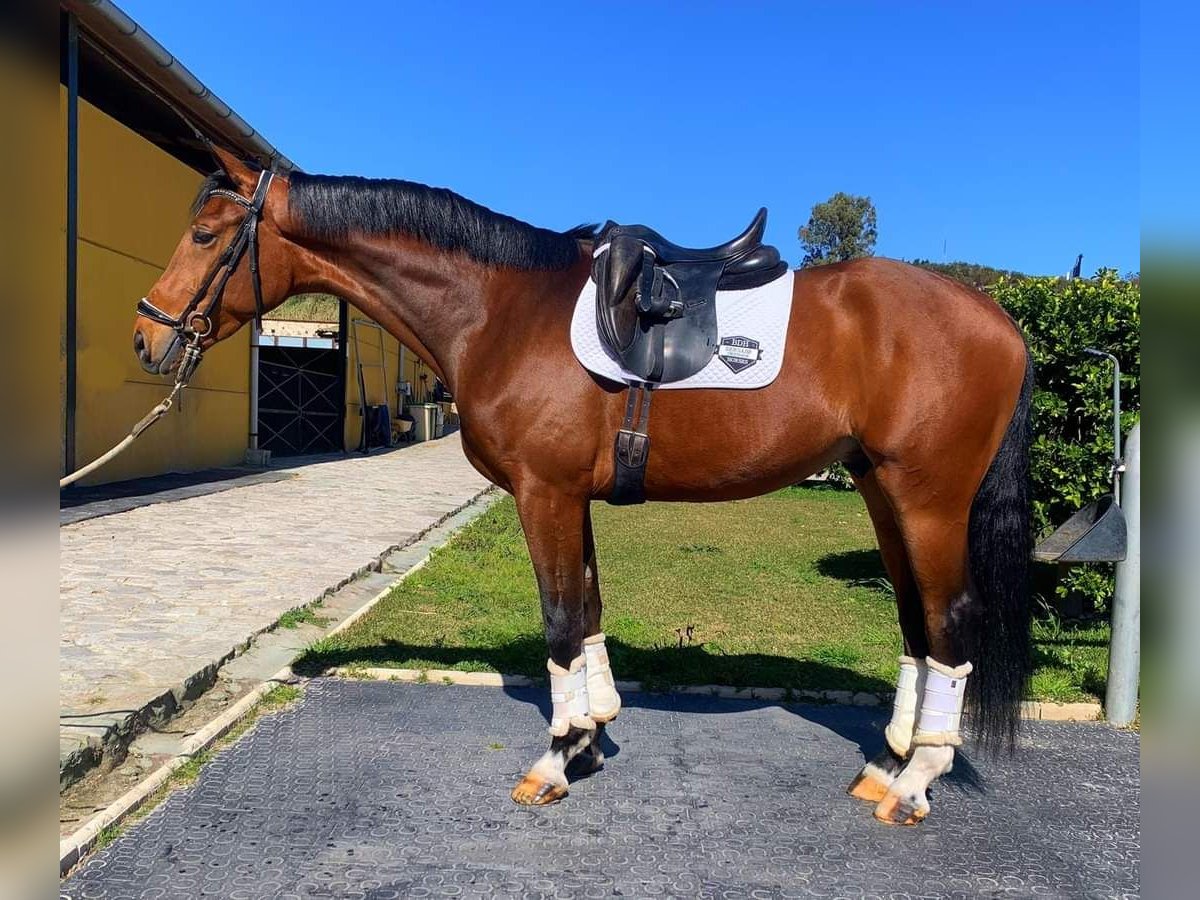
[753,329]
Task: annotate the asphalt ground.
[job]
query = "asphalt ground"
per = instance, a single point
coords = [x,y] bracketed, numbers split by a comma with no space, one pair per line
[381,790]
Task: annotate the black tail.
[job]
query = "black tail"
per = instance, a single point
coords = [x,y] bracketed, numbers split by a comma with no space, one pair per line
[1000,541]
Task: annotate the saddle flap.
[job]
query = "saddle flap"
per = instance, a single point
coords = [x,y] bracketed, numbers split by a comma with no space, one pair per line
[616,268]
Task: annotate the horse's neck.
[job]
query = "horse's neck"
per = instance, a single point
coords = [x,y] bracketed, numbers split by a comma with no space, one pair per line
[429,301]
[458,315]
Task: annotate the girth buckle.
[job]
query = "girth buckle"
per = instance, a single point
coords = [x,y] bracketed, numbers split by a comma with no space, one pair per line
[631,451]
[633,448]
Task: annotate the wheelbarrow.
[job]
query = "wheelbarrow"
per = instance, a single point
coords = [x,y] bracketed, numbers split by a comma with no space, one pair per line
[1097,533]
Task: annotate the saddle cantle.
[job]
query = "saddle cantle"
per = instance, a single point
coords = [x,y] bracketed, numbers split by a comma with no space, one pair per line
[656,301]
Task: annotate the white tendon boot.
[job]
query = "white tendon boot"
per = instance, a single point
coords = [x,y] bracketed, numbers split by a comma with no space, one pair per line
[909,688]
[877,776]
[569,697]
[942,705]
[933,743]
[603,700]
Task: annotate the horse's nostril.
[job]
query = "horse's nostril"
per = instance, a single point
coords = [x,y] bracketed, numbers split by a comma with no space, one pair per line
[139,346]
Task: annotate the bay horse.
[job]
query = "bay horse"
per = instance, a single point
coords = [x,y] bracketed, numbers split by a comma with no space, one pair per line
[919,384]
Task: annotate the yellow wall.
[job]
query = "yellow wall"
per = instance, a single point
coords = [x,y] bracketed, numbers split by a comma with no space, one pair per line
[377,391]
[133,207]
[414,368]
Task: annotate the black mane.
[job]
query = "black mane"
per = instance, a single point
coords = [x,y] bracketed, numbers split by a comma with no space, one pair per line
[333,207]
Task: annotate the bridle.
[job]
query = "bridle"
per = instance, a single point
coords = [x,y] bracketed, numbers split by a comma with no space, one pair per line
[195,323]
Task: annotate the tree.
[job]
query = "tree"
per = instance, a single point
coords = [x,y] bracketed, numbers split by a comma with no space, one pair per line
[843,227]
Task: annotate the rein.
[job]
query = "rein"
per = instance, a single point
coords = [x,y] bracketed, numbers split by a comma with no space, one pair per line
[194,324]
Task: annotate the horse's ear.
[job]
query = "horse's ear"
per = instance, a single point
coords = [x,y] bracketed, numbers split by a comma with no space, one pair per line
[242,175]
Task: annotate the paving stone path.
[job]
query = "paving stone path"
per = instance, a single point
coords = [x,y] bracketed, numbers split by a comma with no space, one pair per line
[383,790]
[150,595]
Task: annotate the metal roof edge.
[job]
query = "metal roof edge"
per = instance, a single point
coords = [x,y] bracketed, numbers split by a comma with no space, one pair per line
[108,24]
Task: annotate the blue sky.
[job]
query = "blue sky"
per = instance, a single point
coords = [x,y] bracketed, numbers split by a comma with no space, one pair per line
[1004,134]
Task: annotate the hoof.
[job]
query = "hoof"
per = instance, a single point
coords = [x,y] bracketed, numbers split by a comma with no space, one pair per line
[867,787]
[535,791]
[893,810]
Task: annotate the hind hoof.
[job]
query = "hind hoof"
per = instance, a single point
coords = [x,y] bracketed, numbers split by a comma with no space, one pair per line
[893,810]
[868,788]
[535,791]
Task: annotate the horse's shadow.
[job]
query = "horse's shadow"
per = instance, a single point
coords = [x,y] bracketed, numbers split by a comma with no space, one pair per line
[862,726]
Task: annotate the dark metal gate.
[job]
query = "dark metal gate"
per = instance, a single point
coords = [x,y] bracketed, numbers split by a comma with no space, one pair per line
[300,400]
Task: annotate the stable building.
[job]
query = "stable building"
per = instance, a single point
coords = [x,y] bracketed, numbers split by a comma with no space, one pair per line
[133,168]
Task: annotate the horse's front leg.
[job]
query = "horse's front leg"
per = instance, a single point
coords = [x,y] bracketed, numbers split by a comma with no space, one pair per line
[554,530]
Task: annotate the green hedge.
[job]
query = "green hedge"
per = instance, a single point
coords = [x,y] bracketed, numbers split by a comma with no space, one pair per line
[1072,419]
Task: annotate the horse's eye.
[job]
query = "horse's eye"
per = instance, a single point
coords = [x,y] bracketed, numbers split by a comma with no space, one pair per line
[203,238]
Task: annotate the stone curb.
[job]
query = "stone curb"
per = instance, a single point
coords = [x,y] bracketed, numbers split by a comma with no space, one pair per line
[77,845]
[1031,709]
[108,737]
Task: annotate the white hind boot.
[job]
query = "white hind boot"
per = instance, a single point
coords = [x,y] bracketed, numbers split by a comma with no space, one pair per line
[937,734]
[877,776]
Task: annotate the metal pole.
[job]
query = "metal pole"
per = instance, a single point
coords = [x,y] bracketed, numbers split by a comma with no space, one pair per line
[254,335]
[1124,650]
[70,325]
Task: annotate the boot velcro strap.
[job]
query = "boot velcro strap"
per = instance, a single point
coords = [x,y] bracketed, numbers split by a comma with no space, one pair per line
[568,696]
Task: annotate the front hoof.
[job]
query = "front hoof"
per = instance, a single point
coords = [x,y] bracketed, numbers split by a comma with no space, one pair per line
[893,810]
[535,791]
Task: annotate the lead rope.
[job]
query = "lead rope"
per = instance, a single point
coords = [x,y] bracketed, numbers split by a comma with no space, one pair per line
[187,367]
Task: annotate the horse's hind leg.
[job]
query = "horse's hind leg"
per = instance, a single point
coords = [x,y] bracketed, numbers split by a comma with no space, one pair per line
[872,783]
[935,537]
[554,530]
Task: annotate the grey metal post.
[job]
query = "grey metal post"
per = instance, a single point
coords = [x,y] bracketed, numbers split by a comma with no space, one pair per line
[1124,650]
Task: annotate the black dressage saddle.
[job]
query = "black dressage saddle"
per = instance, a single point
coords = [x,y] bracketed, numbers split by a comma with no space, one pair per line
[656,301]
[656,311]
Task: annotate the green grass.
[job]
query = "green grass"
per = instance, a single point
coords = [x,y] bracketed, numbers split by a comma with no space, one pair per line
[1071,660]
[303,615]
[307,308]
[785,590]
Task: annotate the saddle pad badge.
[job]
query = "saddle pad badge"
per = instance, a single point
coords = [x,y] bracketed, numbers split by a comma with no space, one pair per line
[738,353]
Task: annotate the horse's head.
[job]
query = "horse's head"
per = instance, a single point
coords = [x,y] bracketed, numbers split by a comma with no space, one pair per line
[229,265]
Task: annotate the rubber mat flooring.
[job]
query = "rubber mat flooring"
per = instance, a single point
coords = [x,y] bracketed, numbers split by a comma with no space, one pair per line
[383,790]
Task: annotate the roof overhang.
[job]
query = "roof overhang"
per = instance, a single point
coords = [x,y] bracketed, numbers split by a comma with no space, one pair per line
[119,40]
